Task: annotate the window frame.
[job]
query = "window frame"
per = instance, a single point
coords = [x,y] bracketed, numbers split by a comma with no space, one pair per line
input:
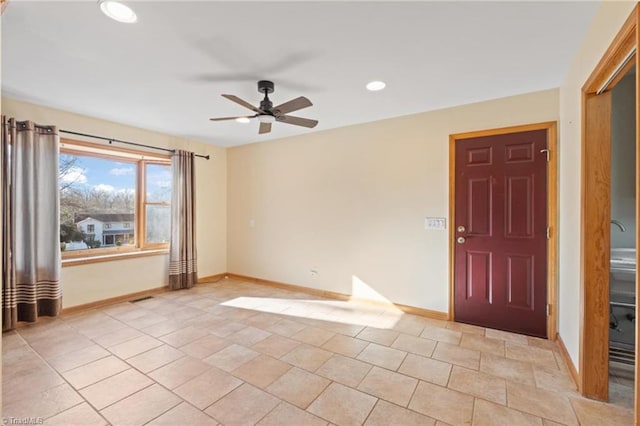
[142,207]
[139,159]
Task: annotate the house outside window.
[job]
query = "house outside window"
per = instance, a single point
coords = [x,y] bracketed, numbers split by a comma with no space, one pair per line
[120,197]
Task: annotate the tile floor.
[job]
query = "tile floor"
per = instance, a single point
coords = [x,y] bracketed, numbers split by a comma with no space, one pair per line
[236,353]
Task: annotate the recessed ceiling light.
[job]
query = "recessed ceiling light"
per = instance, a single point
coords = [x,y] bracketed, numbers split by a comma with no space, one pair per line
[374,86]
[118,11]
[243,120]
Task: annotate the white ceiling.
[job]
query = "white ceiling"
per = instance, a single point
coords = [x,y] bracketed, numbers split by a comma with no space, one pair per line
[167,72]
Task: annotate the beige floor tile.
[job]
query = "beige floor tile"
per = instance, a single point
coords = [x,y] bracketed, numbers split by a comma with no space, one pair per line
[510,369]
[262,320]
[183,336]
[57,345]
[542,343]
[43,404]
[443,404]
[155,358]
[299,387]
[134,347]
[382,356]
[386,414]
[410,324]
[203,321]
[490,414]
[427,369]
[307,357]
[540,402]
[507,336]
[248,336]
[115,388]
[261,371]
[482,344]
[385,384]
[163,328]
[78,358]
[345,345]
[94,372]
[226,328]
[231,357]
[480,385]
[347,371]
[313,336]
[466,328]
[552,379]
[595,413]
[416,345]
[117,337]
[287,414]
[379,336]
[26,383]
[532,354]
[342,405]
[205,346]
[183,414]
[246,405]
[141,407]
[286,327]
[205,389]
[80,415]
[146,320]
[442,334]
[179,371]
[275,345]
[454,354]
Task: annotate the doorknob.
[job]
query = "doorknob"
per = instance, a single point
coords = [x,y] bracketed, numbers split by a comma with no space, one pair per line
[461,228]
[461,240]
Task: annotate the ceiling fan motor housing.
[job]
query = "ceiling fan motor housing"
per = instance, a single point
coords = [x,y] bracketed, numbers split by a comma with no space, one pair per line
[265,86]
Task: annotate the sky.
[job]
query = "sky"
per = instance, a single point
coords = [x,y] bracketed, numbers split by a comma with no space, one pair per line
[112,176]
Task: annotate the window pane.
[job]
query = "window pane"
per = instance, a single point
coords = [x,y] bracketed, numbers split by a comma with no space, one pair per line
[158,182]
[97,198]
[158,224]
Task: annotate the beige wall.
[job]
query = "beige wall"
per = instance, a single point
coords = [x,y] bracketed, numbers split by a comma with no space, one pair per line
[606,24]
[350,203]
[87,283]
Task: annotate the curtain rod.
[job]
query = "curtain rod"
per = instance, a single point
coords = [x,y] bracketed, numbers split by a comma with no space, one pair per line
[111,140]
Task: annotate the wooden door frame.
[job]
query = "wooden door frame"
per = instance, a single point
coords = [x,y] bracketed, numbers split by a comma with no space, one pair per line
[596,215]
[552,213]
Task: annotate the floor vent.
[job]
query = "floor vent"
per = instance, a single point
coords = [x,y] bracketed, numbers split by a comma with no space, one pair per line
[141,299]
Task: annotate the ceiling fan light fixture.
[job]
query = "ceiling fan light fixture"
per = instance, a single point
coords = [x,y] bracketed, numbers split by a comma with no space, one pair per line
[243,120]
[374,86]
[266,118]
[118,11]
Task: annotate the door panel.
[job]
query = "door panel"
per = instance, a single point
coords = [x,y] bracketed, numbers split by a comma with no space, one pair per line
[500,275]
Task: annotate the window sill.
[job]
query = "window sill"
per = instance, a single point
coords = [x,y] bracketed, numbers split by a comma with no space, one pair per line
[76,261]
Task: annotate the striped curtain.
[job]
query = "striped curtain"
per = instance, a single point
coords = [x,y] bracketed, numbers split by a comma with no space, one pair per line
[182,253]
[30,222]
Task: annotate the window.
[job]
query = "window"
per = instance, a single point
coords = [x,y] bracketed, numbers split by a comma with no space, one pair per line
[121,198]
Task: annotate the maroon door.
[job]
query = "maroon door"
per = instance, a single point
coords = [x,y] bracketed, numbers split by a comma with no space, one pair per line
[501,232]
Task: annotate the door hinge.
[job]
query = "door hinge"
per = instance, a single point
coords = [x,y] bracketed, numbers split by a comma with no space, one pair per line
[548,309]
[546,152]
[548,232]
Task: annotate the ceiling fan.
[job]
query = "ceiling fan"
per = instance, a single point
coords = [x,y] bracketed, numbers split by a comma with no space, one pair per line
[267,113]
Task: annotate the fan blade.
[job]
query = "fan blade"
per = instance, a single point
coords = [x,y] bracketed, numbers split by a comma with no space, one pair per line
[243,103]
[264,128]
[298,121]
[232,118]
[292,105]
